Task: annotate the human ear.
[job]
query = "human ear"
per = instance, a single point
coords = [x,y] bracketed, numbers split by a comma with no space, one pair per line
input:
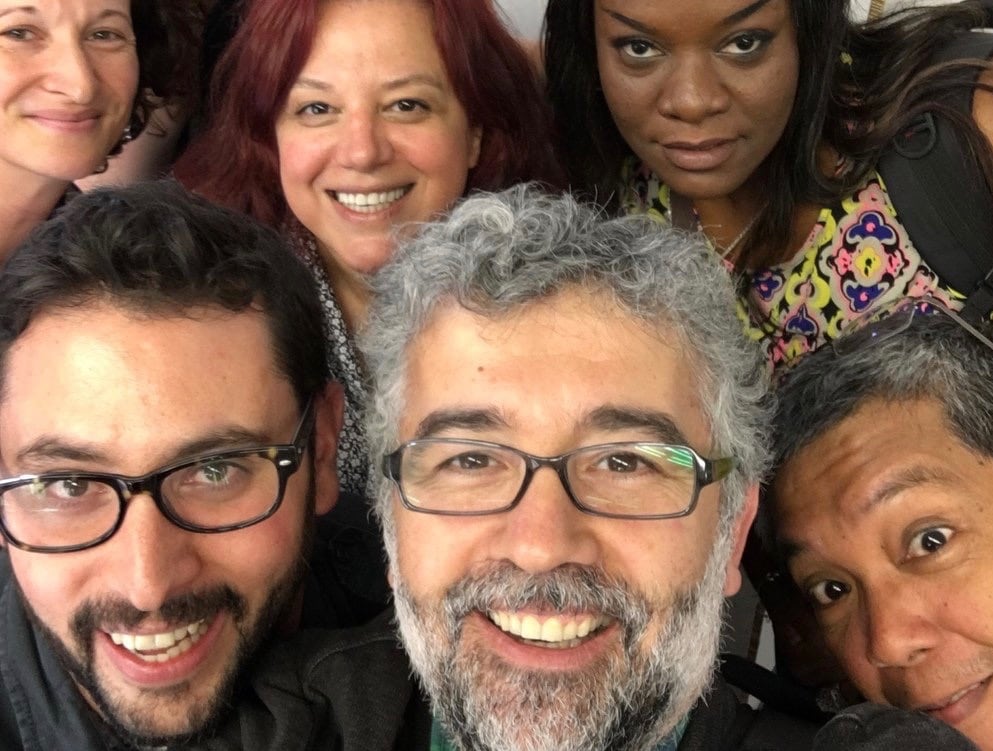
[732,575]
[329,410]
[475,145]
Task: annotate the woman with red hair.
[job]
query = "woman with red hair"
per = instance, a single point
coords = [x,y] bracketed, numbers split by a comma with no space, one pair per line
[343,122]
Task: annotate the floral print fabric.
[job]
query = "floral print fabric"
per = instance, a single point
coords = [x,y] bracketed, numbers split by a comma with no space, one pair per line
[857,261]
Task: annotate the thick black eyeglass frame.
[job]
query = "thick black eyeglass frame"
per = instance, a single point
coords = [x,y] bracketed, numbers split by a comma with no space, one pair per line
[707,472]
[285,456]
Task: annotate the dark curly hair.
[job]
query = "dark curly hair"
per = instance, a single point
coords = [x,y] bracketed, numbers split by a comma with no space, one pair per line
[168,40]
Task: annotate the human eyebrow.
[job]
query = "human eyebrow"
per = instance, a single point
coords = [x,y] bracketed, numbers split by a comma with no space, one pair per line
[631,22]
[741,15]
[415,78]
[17,9]
[463,419]
[789,549]
[111,13]
[660,424]
[312,83]
[49,449]
[902,480]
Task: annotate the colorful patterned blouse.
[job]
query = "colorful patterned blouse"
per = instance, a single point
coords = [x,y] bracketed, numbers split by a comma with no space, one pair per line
[856,262]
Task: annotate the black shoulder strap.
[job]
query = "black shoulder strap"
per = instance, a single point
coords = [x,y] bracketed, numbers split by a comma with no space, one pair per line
[939,191]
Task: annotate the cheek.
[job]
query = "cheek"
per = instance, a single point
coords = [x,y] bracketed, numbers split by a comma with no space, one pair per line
[120,76]
[431,554]
[301,161]
[848,646]
[773,105]
[630,100]
[444,158]
[54,589]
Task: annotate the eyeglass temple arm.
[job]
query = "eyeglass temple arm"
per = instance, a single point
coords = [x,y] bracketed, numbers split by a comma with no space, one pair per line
[716,469]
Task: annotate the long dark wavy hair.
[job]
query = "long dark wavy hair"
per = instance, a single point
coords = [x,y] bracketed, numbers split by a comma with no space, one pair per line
[859,86]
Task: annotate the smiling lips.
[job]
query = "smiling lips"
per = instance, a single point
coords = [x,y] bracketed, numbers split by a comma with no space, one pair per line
[555,632]
[370,203]
[66,120]
[162,646]
[959,705]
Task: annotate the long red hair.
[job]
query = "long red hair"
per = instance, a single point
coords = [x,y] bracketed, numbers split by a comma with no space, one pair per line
[234,161]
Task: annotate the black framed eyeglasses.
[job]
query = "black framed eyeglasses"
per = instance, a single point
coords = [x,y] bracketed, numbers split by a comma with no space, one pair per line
[62,512]
[898,319]
[628,480]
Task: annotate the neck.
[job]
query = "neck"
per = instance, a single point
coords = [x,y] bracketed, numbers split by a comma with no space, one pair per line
[26,204]
[350,288]
[727,221]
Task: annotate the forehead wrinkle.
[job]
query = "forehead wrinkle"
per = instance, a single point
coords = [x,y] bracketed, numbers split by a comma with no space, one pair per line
[53,448]
[465,419]
[905,479]
[612,417]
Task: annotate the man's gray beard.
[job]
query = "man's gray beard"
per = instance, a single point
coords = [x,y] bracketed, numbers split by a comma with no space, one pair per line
[630,700]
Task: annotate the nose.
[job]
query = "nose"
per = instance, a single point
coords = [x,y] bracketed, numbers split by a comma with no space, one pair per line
[156,559]
[693,90]
[545,530]
[69,71]
[364,143]
[898,626]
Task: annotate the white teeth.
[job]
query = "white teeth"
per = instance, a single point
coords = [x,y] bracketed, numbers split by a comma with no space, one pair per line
[958,695]
[556,631]
[162,646]
[368,203]
[551,630]
[530,628]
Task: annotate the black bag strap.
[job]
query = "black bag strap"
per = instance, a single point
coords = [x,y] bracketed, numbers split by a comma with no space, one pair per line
[939,191]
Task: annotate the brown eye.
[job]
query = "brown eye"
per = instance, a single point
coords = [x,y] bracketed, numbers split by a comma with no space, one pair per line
[929,541]
[828,592]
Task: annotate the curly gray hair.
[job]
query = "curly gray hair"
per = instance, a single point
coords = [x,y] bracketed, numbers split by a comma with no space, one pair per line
[498,252]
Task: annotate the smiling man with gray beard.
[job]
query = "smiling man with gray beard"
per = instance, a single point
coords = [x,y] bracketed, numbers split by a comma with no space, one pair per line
[570,429]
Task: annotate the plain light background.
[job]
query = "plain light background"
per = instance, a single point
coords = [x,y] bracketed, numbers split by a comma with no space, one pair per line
[524,16]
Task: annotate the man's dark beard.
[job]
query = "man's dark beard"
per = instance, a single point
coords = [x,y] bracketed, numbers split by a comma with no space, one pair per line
[183,609]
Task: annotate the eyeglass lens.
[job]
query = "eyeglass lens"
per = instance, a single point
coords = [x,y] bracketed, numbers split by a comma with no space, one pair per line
[68,510]
[627,479]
